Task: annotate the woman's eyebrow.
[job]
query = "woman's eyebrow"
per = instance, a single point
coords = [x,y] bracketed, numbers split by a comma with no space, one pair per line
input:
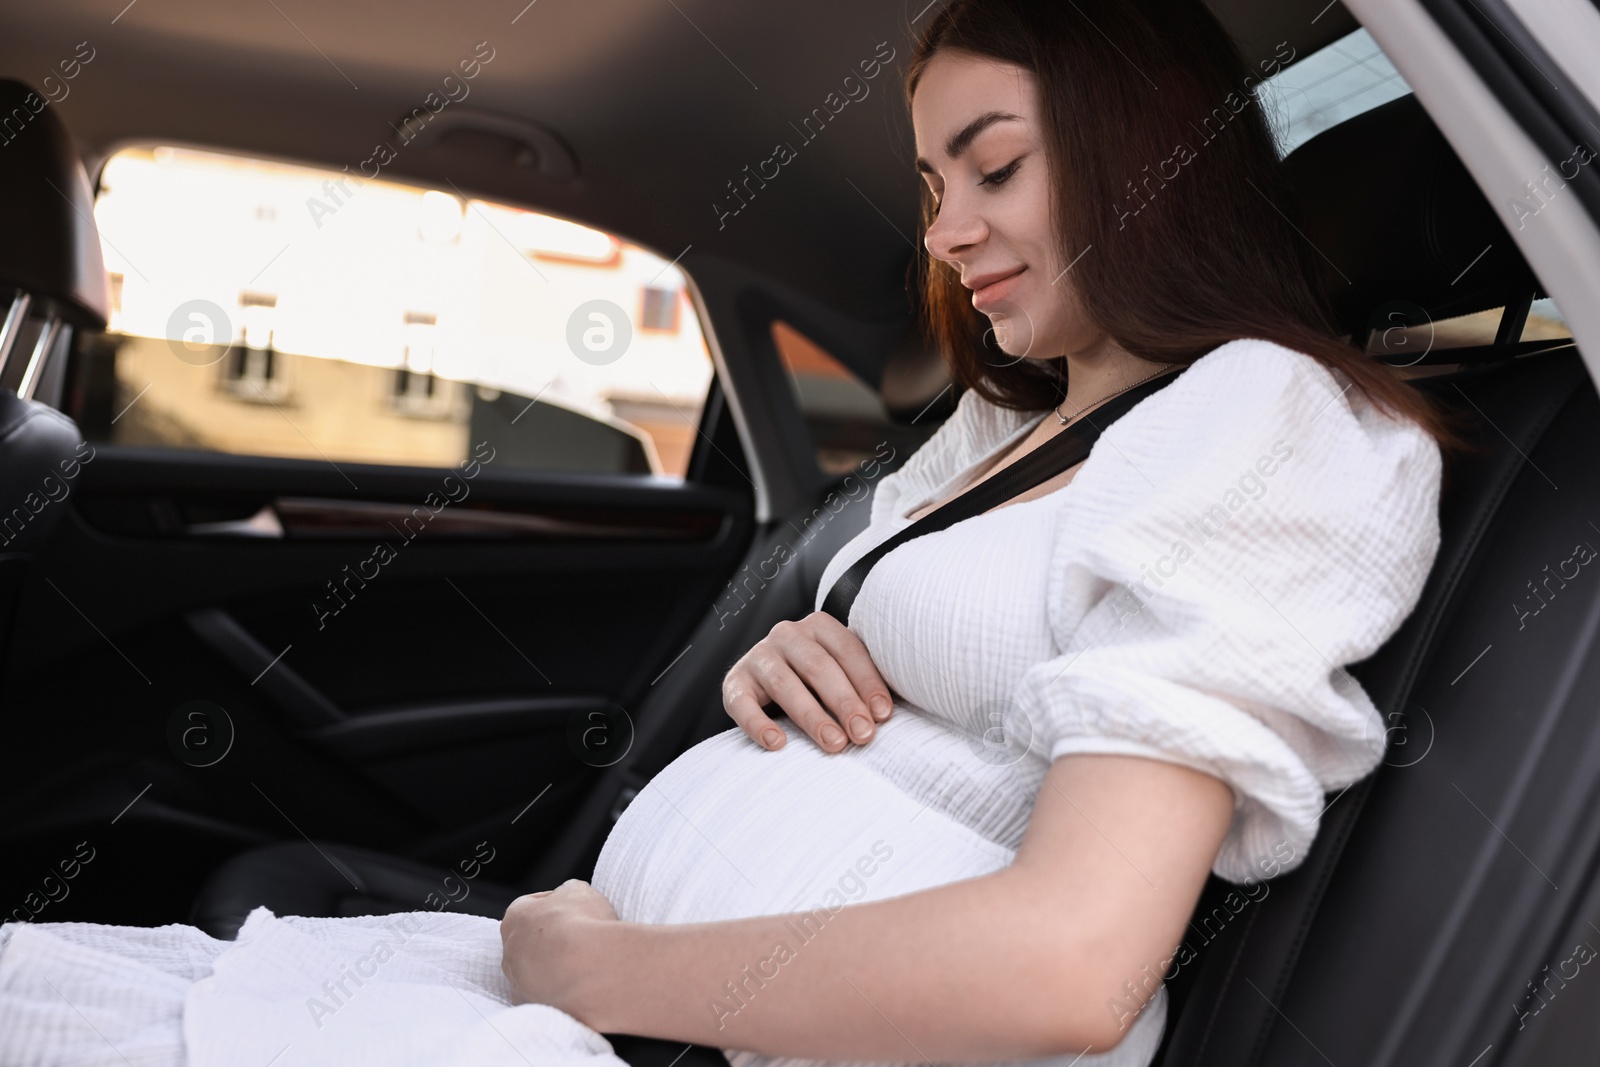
[963,138]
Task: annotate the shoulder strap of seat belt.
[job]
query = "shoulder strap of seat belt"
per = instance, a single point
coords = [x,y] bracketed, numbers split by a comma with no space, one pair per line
[1062,452]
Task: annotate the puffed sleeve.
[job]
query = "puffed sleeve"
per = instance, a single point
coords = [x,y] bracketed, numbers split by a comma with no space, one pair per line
[1232,544]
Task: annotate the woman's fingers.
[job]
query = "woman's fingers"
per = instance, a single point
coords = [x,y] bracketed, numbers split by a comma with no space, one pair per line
[856,662]
[743,699]
[820,670]
[776,671]
[819,673]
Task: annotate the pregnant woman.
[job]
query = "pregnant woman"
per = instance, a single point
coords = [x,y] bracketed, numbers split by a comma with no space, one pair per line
[1103,690]
[967,810]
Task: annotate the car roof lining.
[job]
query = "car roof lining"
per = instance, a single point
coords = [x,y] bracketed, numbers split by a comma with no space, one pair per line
[628,88]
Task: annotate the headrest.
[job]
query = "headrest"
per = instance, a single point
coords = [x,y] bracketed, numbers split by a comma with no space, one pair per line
[49,247]
[1397,218]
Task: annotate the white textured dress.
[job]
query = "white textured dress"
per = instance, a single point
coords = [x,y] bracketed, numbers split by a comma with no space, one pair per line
[1190,596]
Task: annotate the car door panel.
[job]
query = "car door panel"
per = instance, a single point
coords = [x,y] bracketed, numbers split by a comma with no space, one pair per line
[403,699]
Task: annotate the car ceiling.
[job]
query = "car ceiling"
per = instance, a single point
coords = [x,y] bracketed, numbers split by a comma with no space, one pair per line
[662,102]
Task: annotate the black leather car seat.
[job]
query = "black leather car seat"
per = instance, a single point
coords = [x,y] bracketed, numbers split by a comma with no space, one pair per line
[52,282]
[1395,242]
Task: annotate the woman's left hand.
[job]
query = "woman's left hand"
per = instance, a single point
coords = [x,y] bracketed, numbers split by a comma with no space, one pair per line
[549,953]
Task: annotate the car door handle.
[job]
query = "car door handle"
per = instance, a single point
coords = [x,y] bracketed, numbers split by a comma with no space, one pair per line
[264,523]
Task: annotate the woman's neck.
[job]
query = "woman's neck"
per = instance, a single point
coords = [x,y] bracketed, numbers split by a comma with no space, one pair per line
[1097,372]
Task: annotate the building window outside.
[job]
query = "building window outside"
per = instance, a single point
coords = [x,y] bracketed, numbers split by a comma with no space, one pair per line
[251,370]
[659,308]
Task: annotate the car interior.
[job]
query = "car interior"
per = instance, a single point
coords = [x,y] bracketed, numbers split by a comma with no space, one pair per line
[211,705]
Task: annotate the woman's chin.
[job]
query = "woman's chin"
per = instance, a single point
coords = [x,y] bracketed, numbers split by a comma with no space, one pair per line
[1011,330]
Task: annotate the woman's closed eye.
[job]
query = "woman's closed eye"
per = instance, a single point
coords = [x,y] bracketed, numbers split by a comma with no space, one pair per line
[993,178]
[999,177]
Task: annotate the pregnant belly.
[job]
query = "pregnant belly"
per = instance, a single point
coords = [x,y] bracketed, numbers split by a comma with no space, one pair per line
[730,830]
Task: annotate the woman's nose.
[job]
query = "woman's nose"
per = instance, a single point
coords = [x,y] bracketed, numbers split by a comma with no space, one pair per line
[953,230]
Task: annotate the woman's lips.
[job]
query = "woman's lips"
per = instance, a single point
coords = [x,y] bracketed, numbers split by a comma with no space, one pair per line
[995,291]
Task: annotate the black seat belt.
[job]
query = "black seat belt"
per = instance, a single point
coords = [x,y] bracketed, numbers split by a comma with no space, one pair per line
[1062,452]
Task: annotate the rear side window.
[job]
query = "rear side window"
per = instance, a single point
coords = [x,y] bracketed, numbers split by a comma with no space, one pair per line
[273,310]
[1328,86]
[850,425]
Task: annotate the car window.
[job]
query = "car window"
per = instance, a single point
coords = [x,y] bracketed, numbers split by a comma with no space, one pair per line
[1400,344]
[849,422]
[266,309]
[1330,85]
[844,414]
[1545,322]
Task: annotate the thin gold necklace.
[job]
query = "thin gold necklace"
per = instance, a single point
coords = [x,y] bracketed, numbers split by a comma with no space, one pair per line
[1064,419]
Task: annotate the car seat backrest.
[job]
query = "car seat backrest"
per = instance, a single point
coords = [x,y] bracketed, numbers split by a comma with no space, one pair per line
[51,250]
[1395,223]
[1246,968]
[1389,206]
[52,280]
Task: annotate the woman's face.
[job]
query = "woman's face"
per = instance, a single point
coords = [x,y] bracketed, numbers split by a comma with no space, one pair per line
[980,148]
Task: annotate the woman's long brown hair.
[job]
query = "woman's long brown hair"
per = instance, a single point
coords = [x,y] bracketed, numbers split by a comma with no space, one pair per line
[1177,258]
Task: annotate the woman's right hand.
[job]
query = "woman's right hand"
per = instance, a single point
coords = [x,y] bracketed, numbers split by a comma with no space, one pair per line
[820,652]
